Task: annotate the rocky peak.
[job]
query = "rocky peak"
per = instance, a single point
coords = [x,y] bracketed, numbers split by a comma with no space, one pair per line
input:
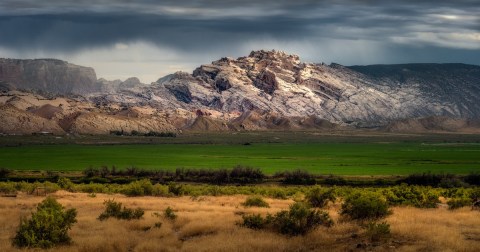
[274,55]
[132,82]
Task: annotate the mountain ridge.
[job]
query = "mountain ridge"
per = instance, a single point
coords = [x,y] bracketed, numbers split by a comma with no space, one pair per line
[261,91]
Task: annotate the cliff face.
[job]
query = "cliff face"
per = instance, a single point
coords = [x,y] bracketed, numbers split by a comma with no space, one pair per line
[48,76]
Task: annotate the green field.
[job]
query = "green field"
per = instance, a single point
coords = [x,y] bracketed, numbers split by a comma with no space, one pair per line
[374,158]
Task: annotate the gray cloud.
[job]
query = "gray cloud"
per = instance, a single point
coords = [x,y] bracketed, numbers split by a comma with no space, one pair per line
[196,31]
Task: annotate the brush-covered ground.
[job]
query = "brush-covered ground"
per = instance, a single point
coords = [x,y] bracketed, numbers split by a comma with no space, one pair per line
[208,223]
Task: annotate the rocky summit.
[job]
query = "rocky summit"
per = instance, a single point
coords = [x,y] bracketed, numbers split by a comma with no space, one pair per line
[265,90]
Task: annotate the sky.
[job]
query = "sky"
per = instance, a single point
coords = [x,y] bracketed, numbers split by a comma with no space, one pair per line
[149,39]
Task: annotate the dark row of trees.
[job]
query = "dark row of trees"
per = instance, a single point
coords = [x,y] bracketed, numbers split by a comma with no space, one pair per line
[137,133]
[247,175]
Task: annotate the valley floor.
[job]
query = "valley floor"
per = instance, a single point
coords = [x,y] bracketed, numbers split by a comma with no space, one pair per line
[207,223]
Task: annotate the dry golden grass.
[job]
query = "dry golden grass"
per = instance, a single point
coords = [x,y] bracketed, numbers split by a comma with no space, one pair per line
[208,224]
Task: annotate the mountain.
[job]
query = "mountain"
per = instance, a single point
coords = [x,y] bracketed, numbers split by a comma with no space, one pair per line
[48,75]
[264,90]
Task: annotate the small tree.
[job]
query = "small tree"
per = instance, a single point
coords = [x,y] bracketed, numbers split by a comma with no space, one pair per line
[47,227]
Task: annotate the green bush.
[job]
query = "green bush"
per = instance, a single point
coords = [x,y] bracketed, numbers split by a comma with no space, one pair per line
[169,213]
[175,189]
[7,188]
[255,201]
[318,197]
[458,203]
[278,194]
[65,184]
[114,209]
[160,190]
[255,221]
[47,227]
[92,188]
[417,196]
[377,231]
[300,219]
[138,188]
[365,205]
[475,194]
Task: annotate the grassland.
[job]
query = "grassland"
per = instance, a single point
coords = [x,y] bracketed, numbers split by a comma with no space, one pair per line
[207,223]
[338,155]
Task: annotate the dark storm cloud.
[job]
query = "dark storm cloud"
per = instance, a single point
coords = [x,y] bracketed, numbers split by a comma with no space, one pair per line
[75,31]
[434,30]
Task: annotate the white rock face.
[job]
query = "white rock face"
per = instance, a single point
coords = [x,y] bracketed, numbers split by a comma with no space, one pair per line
[275,82]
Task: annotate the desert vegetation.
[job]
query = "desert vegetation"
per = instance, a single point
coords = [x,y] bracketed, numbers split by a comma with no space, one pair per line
[197,226]
[47,227]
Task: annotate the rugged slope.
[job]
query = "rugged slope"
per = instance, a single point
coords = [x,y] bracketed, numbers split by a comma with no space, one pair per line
[16,121]
[263,91]
[275,82]
[457,85]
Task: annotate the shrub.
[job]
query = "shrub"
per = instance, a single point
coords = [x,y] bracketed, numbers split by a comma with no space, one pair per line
[278,194]
[139,188]
[175,189]
[47,227]
[473,178]
[333,180]
[318,197]
[4,172]
[255,201]
[300,219]
[430,200]
[65,184]
[255,221]
[7,188]
[298,177]
[416,196]
[426,179]
[245,174]
[475,194]
[160,190]
[157,224]
[91,172]
[114,209]
[169,213]
[377,231]
[365,206]
[458,203]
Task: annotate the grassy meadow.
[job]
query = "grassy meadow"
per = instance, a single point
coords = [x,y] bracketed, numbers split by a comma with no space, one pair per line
[208,223]
[338,158]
